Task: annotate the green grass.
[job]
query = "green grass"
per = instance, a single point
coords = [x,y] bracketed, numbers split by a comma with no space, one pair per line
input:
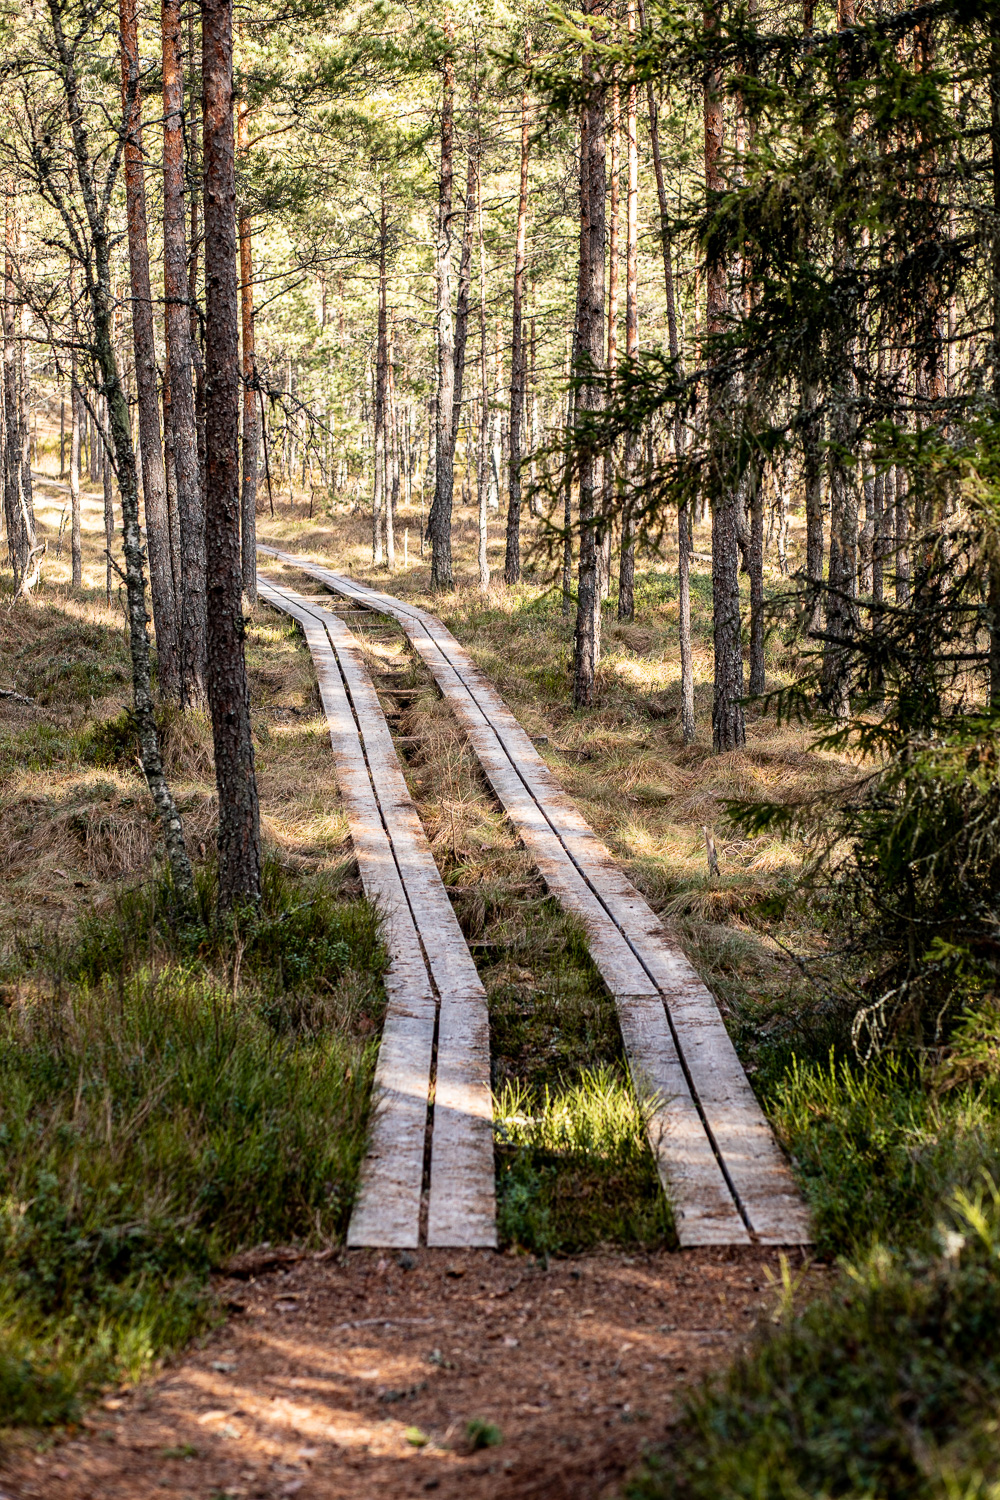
[575,1168]
[889,1388]
[879,1151]
[164,1100]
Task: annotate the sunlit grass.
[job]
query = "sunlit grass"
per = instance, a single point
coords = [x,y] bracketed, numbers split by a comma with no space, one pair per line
[575,1166]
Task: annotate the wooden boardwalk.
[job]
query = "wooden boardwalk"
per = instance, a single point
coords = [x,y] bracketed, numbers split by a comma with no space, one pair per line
[717,1156]
[433,1112]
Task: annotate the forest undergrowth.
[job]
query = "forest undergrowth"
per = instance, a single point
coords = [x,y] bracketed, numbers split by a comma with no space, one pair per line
[169,1094]
[120,1238]
[888,1386]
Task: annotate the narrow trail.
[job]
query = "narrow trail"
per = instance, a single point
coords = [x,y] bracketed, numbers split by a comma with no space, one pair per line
[434,1121]
[715,1151]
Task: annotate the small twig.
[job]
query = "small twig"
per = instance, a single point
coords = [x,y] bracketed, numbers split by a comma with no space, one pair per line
[17,697]
[121,575]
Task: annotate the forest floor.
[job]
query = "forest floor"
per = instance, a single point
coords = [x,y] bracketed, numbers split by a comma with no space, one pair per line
[359,1374]
[369,1376]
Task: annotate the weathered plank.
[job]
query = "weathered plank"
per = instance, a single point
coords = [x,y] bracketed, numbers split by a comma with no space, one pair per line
[398,868]
[462,1204]
[387,1211]
[729,1117]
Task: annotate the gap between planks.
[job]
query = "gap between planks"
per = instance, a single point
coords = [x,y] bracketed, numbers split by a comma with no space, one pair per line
[432,978]
[715,1150]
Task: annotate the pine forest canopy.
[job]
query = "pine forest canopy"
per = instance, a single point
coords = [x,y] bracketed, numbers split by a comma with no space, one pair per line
[625,267]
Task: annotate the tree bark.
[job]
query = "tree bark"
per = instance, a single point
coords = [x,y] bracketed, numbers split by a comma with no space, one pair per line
[195,187]
[993,592]
[76,540]
[464,290]
[812,477]
[482,464]
[755,566]
[812,435]
[626,570]
[842,579]
[170,478]
[228,690]
[177,316]
[18,511]
[439,520]
[381,364]
[588,609]
[153,479]
[512,555]
[99,289]
[251,429]
[728,729]
[391,472]
[109,506]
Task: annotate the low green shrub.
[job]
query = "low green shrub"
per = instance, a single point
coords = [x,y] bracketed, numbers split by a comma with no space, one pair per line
[887,1388]
[169,1095]
[148,1128]
[304,938]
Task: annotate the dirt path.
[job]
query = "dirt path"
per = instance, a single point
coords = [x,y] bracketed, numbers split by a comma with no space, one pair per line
[323,1369]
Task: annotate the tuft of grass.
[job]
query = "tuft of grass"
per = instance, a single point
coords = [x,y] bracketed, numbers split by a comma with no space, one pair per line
[575,1168]
[482,1434]
[877,1152]
[167,1098]
[296,950]
[149,1127]
[886,1388]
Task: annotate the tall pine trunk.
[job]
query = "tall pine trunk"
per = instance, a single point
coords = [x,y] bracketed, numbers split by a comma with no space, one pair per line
[482,465]
[195,187]
[109,505]
[588,607]
[391,472]
[381,362]
[228,690]
[611,484]
[18,511]
[684,509]
[251,421]
[728,729]
[626,571]
[154,488]
[177,315]
[76,540]
[439,520]
[841,596]
[512,555]
[464,291]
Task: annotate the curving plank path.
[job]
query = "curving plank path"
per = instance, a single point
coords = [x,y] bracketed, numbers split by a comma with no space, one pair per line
[433,1075]
[716,1153]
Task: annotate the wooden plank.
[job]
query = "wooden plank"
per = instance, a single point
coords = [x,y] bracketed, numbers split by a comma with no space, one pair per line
[757,1170]
[387,1211]
[754,1162]
[688,1166]
[462,1203]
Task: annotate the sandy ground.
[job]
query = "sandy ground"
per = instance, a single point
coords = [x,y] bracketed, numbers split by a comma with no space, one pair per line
[355,1378]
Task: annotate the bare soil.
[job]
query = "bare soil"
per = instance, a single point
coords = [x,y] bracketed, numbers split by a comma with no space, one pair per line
[355,1378]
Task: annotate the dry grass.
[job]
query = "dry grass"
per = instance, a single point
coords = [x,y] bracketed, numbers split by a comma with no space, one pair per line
[648,796]
[70,828]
